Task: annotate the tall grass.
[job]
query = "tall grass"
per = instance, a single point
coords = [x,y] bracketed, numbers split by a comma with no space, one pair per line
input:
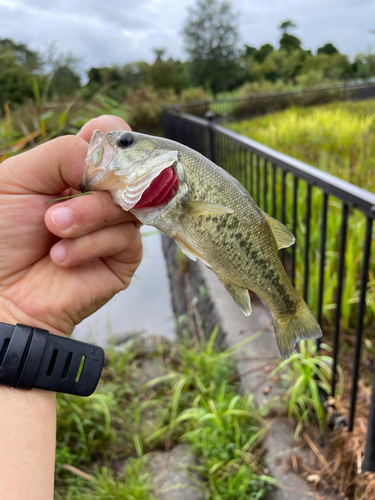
[338,138]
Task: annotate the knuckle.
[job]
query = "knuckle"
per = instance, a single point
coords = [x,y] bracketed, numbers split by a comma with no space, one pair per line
[67,141]
[134,241]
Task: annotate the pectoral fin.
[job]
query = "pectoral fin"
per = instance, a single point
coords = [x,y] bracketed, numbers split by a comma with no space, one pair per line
[185,250]
[284,238]
[189,252]
[197,208]
[240,296]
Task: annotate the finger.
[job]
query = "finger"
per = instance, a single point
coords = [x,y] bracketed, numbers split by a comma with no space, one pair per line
[123,239]
[84,215]
[105,123]
[54,166]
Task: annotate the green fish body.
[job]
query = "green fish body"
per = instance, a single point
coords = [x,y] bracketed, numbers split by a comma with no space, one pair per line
[209,214]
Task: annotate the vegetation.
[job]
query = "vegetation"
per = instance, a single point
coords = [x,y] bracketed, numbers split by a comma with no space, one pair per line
[338,138]
[307,376]
[194,400]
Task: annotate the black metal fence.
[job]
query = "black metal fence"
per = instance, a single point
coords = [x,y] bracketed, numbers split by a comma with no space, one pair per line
[333,260]
[243,107]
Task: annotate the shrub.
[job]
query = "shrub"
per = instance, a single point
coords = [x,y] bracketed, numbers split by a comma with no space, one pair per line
[145,106]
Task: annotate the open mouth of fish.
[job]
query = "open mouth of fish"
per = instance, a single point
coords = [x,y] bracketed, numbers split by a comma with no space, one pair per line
[161,190]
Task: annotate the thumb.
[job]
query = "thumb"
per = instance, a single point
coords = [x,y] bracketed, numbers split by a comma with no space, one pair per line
[49,168]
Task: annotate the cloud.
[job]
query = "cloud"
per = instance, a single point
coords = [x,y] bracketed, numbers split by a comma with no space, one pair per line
[111,32]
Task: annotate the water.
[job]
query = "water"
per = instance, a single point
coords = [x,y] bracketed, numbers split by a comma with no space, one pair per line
[145,306]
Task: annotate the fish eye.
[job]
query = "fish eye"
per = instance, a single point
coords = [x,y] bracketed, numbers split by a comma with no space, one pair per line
[125,140]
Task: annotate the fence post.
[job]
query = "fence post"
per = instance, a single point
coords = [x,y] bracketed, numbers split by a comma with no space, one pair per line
[369,460]
[209,115]
[206,106]
[178,137]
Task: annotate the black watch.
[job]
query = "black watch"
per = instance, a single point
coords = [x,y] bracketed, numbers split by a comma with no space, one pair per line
[32,357]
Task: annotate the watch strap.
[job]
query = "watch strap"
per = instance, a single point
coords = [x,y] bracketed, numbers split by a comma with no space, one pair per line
[32,357]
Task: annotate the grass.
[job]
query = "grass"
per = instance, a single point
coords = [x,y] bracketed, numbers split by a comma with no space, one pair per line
[338,138]
[194,400]
[306,374]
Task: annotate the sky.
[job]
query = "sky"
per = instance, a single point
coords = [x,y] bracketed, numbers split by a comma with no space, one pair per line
[106,32]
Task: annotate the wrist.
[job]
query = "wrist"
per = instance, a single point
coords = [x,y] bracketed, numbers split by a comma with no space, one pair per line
[12,315]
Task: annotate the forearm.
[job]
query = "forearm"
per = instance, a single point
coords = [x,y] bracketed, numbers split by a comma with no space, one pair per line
[27,444]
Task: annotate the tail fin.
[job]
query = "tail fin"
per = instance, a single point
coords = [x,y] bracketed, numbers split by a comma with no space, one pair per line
[301,326]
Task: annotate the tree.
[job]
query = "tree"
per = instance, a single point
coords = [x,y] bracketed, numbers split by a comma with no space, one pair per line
[64,82]
[23,56]
[328,48]
[167,74]
[364,65]
[289,42]
[18,68]
[159,54]
[331,67]
[278,65]
[210,34]
[263,52]
[62,68]
[250,51]
[286,25]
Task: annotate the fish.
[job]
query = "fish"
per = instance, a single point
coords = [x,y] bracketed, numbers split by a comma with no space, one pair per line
[210,215]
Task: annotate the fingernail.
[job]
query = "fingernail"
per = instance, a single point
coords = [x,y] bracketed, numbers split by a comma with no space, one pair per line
[62,217]
[58,253]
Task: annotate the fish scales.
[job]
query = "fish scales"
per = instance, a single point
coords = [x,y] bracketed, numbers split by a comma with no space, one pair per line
[211,216]
[229,242]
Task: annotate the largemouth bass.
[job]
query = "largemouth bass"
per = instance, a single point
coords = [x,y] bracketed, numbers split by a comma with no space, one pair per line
[209,214]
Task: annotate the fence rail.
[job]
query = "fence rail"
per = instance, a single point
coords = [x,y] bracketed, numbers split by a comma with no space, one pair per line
[243,107]
[331,219]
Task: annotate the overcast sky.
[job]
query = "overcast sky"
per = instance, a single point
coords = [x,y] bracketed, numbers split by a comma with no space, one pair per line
[104,32]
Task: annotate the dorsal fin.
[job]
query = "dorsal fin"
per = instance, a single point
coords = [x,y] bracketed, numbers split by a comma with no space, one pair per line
[283,236]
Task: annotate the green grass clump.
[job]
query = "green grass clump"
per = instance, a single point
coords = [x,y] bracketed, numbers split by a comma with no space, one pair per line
[194,400]
[133,484]
[305,373]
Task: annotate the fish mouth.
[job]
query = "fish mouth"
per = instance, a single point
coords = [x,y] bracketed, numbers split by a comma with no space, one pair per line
[161,190]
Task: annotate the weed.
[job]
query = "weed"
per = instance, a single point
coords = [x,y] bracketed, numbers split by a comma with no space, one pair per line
[133,484]
[306,374]
[84,424]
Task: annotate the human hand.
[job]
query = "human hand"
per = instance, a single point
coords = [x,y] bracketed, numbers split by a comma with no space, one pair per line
[56,272]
